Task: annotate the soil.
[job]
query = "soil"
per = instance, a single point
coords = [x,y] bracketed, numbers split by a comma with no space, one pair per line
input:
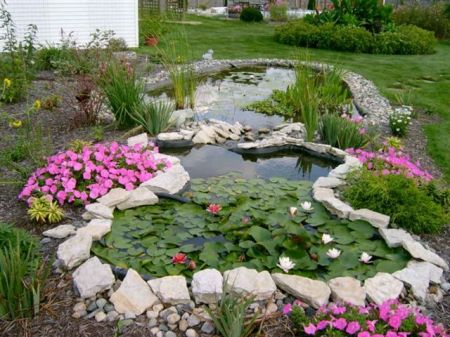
[59,297]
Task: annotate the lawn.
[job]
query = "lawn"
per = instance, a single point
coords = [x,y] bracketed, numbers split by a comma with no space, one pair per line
[424,79]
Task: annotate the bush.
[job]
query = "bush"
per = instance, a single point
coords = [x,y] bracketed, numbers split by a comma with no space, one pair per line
[251,14]
[401,40]
[433,18]
[341,132]
[403,199]
[278,11]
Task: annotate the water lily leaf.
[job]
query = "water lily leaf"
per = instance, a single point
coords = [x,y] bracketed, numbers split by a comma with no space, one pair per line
[389,266]
[362,229]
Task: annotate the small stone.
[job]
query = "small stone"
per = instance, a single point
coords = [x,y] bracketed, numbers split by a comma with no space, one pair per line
[101,302]
[271,308]
[169,311]
[170,334]
[130,315]
[263,130]
[171,181]
[100,211]
[100,316]
[60,232]
[152,322]
[79,314]
[141,139]
[126,322]
[247,128]
[183,325]
[158,307]
[383,287]
[80,306]
[114,197]
[108,307]
[45,241]
[173,318]
[171,289]
[154,331]
[185,316]
[140,196]
[193,320]
[92,306]
[163,327]
[347,290]
[111,316]
[249,137]
[170,136]
[208,327]
[191,333]
[152,314]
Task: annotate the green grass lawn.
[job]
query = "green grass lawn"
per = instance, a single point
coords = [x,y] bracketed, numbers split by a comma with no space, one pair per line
[425,77]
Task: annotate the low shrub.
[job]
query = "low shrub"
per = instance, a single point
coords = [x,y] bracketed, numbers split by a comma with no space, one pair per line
[389,319]
[43,210]
[251,14]
[82,177]
[432,17]
[405,200]
[342,132]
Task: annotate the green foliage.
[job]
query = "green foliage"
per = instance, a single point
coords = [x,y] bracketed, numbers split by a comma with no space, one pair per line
[342,133]
[123,92]
[77,145]
[251,14]
[399,122]
[230,316]
[408,204]
[22,274]
[151,26]
[253,229]
[154,117]
[400,40]
[42,210]
[278,11]
[432,17]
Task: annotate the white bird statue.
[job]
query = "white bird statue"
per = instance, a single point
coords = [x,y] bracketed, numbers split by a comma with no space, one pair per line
[208,55]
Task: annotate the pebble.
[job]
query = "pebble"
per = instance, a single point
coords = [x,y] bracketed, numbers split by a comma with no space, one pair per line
[101,302]
[79,314]
[193,320]
[80,306]
[446,287]
[173,318]
[154,331]
[170,334]
[152,322]
[157,307]
[185,316]
[172,326]
[163,327]
[271,308]
[208,327]
[247,128]
[93,313]
[126,322]
[112,315]
[169,311]
[130,315]
[45,241]
[100,316]
[183,325]
[92,306]
[108,307]
[152,314]
[160,334]
[263,130]
[191,333]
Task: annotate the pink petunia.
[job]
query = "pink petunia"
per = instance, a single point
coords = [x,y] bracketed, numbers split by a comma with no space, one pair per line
[352,327]
[340,323]
[310,329]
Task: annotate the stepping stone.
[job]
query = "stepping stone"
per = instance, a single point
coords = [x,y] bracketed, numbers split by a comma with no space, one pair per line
[242,281]
[383,287]
[93,277]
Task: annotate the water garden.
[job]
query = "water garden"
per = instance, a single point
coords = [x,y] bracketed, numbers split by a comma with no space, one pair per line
[153,193]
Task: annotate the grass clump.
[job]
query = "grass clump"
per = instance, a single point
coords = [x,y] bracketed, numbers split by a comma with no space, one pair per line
[341,132]
[154,117]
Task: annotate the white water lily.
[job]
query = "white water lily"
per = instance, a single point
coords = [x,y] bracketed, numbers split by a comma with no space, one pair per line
[365,258]
[285,263]
[326,238]
[306,205]
[333,253]
[293,211]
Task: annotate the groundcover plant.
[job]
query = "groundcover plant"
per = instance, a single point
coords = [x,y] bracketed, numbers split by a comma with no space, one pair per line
[228,222]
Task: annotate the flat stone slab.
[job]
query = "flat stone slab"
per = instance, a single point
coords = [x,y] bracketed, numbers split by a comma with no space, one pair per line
[337,207]
[207,286]
[316,147]
[60,232]
[395,237]
[93,277]
[383,287]
[420,252]
[171,289]
[97,228]
[341,171]
[347,290]
[167,136]
[141,139]
[134,295]
[171,181]
[99,210]
[376,219]
[140,196]
[328,182]
[242,281]
[114,197]
[312,292]
[74,250]
[321,193]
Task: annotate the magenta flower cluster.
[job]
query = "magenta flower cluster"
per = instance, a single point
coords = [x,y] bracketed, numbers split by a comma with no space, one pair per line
[390,319]
[85,176]
[390,161]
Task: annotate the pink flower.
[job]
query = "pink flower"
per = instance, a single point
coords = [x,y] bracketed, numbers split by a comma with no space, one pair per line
[214,209]
[340,323]
[362,131]
[352,328]
[323,325]
[391,334]
[287,308]
[364,334]
[179,258]
[337,310]
[371,325]
[395,321]
[310,329]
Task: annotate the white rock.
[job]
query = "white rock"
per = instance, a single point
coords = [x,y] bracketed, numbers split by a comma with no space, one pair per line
[100,316]
[420,252]
[141,139]
[242,281]
[207,286]
[60,232]
[416,280]
[173,160]
[293,127]
[97,228]
[134,295]
[222,132]
[74,250]
[169,136]
[376,219]
[191,333]
[114,197]
[87,216]
[141,196]
[178,117]
[338,153]
[320,193]
[171,289]
[395,237]
[315,147]
[171,181]
[328,182]
[341,171]
[312,292]
[337,207]
[202,137]
[435,273]
[347,290]
[234,136]
[99,210]
[353,162]
[93,277]
[383,287]
[187,134]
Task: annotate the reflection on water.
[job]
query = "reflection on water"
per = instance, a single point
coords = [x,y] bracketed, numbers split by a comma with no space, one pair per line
[208,161]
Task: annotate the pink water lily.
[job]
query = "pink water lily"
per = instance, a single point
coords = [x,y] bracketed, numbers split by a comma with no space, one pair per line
[214,209]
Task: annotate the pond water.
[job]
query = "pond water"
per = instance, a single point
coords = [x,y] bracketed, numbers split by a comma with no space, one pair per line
[210,161]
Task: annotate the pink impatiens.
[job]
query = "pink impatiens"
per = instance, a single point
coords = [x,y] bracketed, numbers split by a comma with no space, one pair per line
[85,176]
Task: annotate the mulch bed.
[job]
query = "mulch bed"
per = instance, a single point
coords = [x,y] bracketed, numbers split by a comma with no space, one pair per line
[55,318]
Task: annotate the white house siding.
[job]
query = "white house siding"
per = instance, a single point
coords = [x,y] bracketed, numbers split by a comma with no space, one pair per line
[82,17]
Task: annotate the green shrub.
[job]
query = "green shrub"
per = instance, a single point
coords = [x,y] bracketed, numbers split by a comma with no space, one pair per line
[22,274]
[347,38]
[405,201]
[433,18]
[251,14]
[342,133]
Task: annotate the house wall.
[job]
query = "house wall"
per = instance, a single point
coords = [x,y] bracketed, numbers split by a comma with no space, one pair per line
[82,17]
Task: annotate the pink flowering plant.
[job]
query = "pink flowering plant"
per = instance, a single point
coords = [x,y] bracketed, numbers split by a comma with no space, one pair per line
[389,319]
[390,161]
[85,175]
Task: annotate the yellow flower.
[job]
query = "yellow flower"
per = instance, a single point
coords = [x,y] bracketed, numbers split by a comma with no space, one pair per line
[15,123]
[7,82]
[37,104]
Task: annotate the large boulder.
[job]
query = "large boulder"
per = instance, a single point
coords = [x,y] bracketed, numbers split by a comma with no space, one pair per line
[312,292]
[242,281]
[141,139]
[171,181]
[171,289]
[114,197]
[207,286]
[74,250]
[93,277]
[141,196]
[134,295]
[347,290]
[383,287]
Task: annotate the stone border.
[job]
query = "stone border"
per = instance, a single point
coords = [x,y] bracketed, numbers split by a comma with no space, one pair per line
[366,96]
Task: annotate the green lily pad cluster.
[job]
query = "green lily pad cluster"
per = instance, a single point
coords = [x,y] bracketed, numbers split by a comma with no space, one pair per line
[253,228]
